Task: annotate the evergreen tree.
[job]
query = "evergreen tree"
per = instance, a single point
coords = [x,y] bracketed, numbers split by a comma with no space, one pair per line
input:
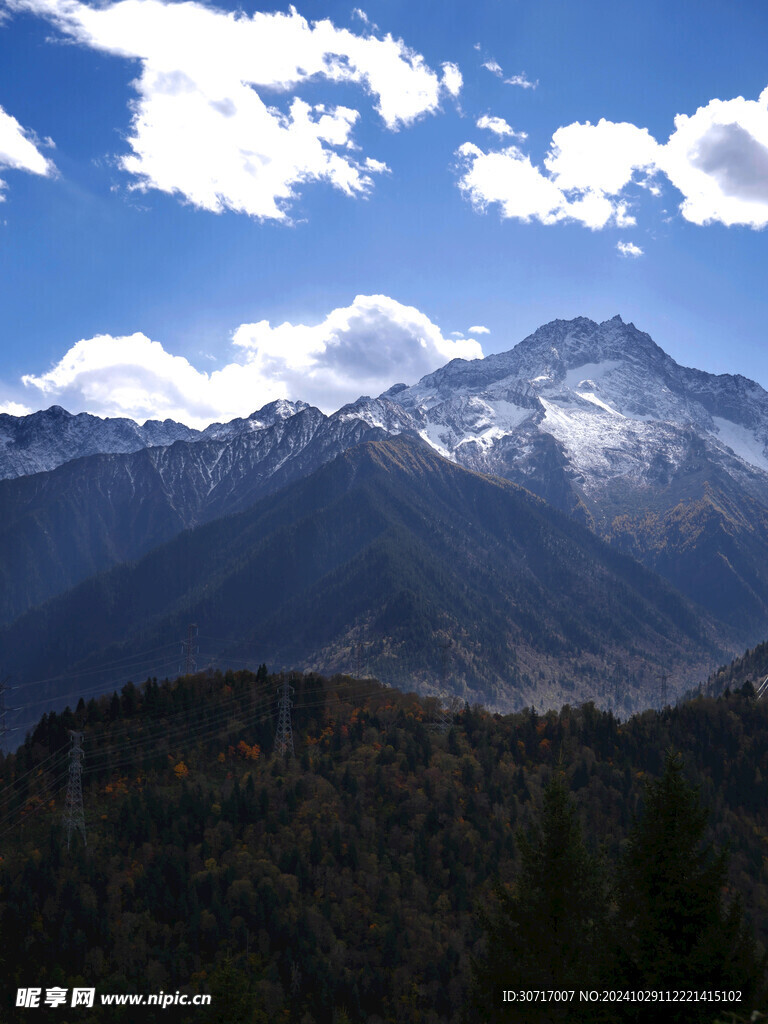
[676,930]
[545,933]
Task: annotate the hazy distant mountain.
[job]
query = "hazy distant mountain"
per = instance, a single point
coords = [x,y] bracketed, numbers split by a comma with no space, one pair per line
[395,548]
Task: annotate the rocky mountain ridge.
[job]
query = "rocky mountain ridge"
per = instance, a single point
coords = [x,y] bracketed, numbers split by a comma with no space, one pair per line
[668,463]
[41,441]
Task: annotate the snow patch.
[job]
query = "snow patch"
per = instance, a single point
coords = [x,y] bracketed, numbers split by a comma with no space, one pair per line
[742,442]
[589,396]
[589,372]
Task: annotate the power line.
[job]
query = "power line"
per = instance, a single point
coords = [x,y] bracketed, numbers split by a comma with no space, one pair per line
[232,717]
[52,788]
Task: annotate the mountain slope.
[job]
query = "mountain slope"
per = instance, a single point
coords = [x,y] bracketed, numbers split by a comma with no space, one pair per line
[391,546]
[667,463]
[602,423]
[60,527]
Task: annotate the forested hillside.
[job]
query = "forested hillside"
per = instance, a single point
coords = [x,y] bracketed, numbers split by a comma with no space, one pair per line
[352,882]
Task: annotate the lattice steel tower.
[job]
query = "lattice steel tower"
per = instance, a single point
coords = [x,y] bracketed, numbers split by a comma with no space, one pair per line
[3,712]
[74,816]
[284,737]
[189,650]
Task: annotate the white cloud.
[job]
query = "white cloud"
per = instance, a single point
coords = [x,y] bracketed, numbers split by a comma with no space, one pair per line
[478,329]
[585,170]
[522,80]
[211,122]
[599,157]
[717,158]
[494,67]
[508,177]
[499,126]
[357,349]
[14,409]
[18,149]
[452,79]
[629,249]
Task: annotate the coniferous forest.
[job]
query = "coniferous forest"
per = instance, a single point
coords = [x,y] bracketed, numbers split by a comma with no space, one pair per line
[398,867]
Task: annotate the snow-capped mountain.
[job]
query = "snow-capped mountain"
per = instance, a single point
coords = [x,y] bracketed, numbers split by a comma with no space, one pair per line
[620,411]
[44,440]
[668,463]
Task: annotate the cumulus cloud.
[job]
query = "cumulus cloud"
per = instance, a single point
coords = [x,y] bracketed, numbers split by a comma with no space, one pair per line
[499,127]
[18,149]
[585,169]
[600,157]
[14,409]
[478,329]
[717,158]
[215,121]
[358,349]
[507,177]
[629,249]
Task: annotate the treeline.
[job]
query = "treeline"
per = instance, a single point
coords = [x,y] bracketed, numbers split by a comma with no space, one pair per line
[362,879]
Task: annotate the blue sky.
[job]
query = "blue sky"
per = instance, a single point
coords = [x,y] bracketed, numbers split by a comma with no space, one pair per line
[207,207]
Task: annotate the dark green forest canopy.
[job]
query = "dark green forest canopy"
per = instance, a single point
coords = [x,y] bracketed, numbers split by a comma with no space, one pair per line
[354,878]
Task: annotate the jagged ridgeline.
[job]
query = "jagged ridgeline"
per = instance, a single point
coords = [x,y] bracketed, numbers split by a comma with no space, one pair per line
[354,881]
[394,551]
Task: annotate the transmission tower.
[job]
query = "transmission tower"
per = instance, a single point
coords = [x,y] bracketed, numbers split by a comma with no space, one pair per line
[284,737]
[447,709]
[188,651]
[444,648]
[4,730]
[448,704]
[663,690]
[74,816]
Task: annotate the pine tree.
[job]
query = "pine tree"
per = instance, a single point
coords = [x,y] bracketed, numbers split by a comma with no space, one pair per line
[676,929]
[545,932]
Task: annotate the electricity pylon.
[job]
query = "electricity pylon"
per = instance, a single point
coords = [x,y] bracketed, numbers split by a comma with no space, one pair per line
[74,816]
[284,737]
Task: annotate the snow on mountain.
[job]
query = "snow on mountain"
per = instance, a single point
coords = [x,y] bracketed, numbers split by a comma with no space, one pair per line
[47,439]
[668,463]
[617,406]
[267,416]
[602,400]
